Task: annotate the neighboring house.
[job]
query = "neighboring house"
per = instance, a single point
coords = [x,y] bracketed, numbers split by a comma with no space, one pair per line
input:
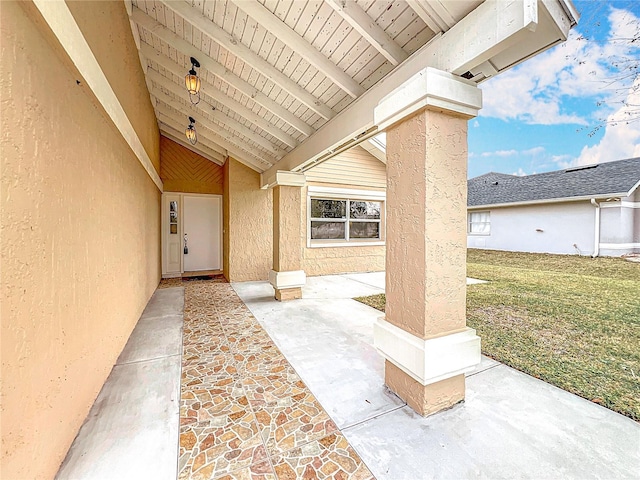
[587,210]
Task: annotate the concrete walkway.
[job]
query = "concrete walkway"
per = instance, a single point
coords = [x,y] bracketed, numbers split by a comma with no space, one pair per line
[131,431]
[510,426]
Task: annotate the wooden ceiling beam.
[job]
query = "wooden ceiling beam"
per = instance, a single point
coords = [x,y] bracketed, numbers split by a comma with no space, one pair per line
[233,145]
[355,16]
[435,16]
[298,44]
[237,48]
[205,111]
[507,28]
[199,149]
[247,160]
[210,91]
[178,132]
[217,69]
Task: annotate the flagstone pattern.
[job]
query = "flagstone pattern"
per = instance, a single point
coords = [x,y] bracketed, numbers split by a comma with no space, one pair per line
[244,411]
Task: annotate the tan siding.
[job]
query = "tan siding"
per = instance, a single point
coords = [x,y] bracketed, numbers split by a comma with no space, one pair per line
[354,167]
[182,170]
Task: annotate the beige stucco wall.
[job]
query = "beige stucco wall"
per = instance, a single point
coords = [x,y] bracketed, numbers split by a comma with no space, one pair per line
[80,249]
[105,25]
[248,225]
[335,260]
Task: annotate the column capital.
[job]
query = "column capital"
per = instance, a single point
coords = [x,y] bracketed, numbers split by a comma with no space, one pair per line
[428,88]
[283,178]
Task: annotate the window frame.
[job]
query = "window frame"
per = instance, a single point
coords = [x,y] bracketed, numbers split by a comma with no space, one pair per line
[470,223]
[329,193]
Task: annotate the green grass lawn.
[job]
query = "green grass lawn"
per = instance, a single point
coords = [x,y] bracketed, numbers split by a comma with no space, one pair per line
[571,321]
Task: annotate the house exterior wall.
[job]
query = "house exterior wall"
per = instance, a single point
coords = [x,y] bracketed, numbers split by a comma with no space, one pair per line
[105,25]
[182,170]
[342,259]
[562,225]
[248,225]
[80,227]
[353,170]
[620,226]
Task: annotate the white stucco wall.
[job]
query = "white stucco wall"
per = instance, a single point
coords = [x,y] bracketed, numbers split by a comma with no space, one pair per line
[620,233]
[562,226]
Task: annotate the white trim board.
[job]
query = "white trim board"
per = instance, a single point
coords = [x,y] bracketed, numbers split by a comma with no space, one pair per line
[66,30]
[621,204]
[545,201]
[379,195]
[618,246]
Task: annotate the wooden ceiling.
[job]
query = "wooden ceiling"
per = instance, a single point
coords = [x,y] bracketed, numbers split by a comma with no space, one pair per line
[274,72]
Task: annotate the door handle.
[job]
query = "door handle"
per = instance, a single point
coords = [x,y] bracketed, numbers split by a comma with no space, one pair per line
[186,246]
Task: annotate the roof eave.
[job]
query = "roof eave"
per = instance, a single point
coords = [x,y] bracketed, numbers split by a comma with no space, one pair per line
[549,200]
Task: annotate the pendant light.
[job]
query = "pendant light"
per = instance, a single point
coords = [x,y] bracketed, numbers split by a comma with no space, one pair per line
[192,82]
[190,132]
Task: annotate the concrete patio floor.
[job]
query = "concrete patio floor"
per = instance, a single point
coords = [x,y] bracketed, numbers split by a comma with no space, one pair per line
[510,426]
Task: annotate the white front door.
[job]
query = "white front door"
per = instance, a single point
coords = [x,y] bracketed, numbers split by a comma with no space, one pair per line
[202,233]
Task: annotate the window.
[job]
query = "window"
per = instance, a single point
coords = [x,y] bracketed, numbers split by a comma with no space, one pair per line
[479,223]
[344,220]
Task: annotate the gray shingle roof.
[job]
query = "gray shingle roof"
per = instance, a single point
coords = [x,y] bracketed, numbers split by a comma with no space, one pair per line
[598,180]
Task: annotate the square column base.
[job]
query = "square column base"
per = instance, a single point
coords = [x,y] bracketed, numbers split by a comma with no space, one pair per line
[424,399]
[288,285]
[284,294]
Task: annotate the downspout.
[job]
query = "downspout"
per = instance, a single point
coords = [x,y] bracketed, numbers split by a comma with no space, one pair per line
[596,240]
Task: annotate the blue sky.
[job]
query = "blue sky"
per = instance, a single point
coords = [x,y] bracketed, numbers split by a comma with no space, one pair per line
[547,114]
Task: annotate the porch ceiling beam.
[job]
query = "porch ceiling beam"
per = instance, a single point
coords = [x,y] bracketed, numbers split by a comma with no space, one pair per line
[210,91]
[177,130]
[504,25]
[166,121]
[355,16]
[205,152]
[234,146]
[237,48]
[299,45]
[433,13]
[217,69]
[205,110]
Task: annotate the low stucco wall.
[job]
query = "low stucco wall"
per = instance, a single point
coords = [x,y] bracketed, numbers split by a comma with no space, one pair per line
[562,226]
[80,250]
[248,225]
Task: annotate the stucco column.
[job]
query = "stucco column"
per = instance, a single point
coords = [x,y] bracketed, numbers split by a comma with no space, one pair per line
[287,276]
[424,338]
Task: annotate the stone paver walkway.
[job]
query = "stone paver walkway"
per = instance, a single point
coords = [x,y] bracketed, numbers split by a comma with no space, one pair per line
[244,411]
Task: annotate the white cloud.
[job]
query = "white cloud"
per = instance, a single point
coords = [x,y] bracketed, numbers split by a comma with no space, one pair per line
[520,173]
[476,124]
[577,69]
[533,151]
[621,138]
[500,153]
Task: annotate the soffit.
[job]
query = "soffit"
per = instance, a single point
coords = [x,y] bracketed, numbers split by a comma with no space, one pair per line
[264,94]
